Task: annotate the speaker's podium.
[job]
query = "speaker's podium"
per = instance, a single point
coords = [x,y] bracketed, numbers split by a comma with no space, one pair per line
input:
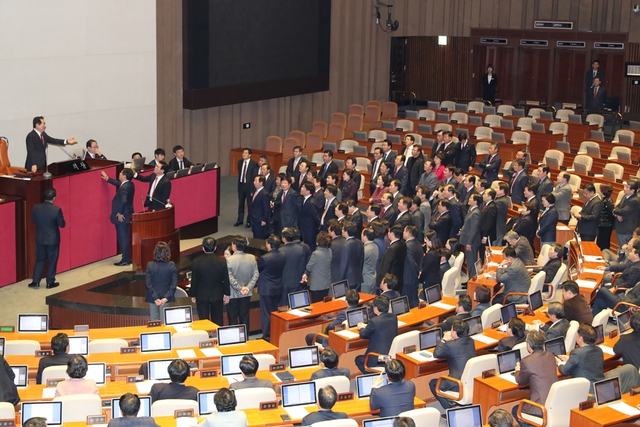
[149,228]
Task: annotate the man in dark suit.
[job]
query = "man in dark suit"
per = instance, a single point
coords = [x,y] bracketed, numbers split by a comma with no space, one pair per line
[395,397]
[37,141]
[538,370]
[626,212]
[296,261]
[401,173]
[375,168]
[470,233]
[271,266]
[589,217]
[404,216]
[550,268]
[121,211]
[330,204]
[450,150]
[356,217]
[439,144]
[589,80]
[8,388]
[466,159]
[457,348]
[524,251]
[301,176]
[158,156]
[518,181]
[544,183]
[388,212]
[442,222]
[179,160]
[628,279]
[159,187]
[388,153]
[60,357]
[502,207]
[269,178]
[309,218]
[491,164]
[380,331]
[178,373]
[293,166]
[488,216]
[247,170]
[291,203]
[513,275]
[249,367]
[412,263]
[416,171]
[559,325]
[329,166]
[259,209]
[548,220]
[575,305]
[352,298]
[352,257]
[210,283]
[337,248]
[327,398]
[329,358]
[596,97]
[586,361]
[48,219]
[628,345]
[455,209]
[93,151]
[393,258]
[462,311]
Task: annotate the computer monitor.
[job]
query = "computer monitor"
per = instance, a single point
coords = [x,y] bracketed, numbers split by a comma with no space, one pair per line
[609,174]
[624,157]
[580,168]
[21,373]
[394,138]
[388,124]
[430,338]
[155,341]
[33,323]
[552,162]
[507,361]
[228,335]
[79,345]
[465,416]
[535,300]
[475,325]
[400,305]
[138,164]
[599,334]
[479,267]
[52,411]
[507,312]
[178,315]
[365,382]
[607,391]
[158,369]
[411,114]
[555,346]
[442,117]
[575,118]
[624,321]
[625,139]
[97,372]
[434,105]
[593,151]
[546,115]
[299,394]
[498,137]
[357,134]
[538,127]
[230,364]
[356,316]
[205,402]
[433,294]
[144,411]
[303,357]
[379,422]
[2,342]
[299,299]
[339,289]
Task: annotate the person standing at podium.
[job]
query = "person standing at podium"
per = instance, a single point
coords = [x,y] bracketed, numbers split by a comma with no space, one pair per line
[121,211]
[159,187]
[37,141]
[49,220]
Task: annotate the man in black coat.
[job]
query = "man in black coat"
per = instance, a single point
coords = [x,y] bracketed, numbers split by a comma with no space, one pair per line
[210,283]
[159,187]
[393,258]
[37,141]
[380,331]
[8,389]
[401,173]
[296,261]
[412,263]
[488,216]
[352,257]
[60,356]
[466,158]
[442,223]
[247,170]
[121,211]
[356,217]
[290,204]
[330,204]
[416,171]
[518,181]
[589,217]
[259,209]
[271,266]
[329,166]
[450,150]
[293,166]
[179,160]
[337,249]
[491,164]
[309,218]
[48,219]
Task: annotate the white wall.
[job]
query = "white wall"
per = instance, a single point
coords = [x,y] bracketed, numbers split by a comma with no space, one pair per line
[87,66]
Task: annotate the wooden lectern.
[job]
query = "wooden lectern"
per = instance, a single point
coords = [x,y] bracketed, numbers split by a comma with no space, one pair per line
[149,228]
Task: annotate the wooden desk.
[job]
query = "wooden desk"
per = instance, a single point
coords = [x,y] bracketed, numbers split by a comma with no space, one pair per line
[604,416]
[589,249]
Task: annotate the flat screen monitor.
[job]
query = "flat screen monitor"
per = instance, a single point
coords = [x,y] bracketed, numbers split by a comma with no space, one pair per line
[228,335]
[144,411]
[138,164]
[379,422]
[507,312]
[230,365]
[625,139]
[538,127]
[364,384]
[498,137]
[555,346]
[21,373]
[624,321]
[357,134]
[299,300]
[303,357]
[599,334]
[178,315]
[609,174]
[299,394]
[33,323]
[205,402]
[2,342]
[624,157]
[339,289]
[434,294]
[552,162]
[52,411]
[400,305]
[535,300]
[479,267]
[507,361]
[394,138]
[580,168]
[465,416]
[97,372]
[475,325]
[607,391]
[158,369]
[79,345]
[430,338]
[155,341]
[356,316]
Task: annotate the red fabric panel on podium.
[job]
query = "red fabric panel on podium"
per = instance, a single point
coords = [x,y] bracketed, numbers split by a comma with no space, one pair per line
[8,246]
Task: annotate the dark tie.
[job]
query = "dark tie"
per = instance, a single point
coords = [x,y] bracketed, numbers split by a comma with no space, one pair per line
[42,138]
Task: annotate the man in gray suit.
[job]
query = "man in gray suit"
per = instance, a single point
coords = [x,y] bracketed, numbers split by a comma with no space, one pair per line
[589,216]
[243,275]
[524,252]
[429,177]
[627,213]
[470,234]
[586,361]
[563,195]
[370,260]
[514,276]
[249,366]
[424,193]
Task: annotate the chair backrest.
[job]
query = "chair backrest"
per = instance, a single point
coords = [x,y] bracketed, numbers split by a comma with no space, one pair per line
[557,279]
[483,147]
[493,120]
[378,135]
[167,407]
[443,126]
[572,333]
[21,347]
[354,123]
[374,103]
[585,160]
[524,351]
[564,396]
[320,128]
[250,398]
[506,110]
[348,144]
[77,407]
[589,147]
[476,106]
[336,132]
[404,340]
[406,125]
[427,114]
[595,119]
[356,109]
[108,345]
[348,422]
[300,136]
[519,136]
[449,105]
[50,372]
[449,283]
[7,411]
[314,142]
[536,282]
[389,110]
[287,146]
[616,168]
[601,318]
[575,182]
[559,128]
[474,368]
[317,158]
[341,383]
[615,152]
[543,257]
[363,165]
[180,293]
[623,132]
[460,117]
[274,143]
[184,339]
[371,114]
[374,146]
[490,315]
[563,114]
[535,112]
[524,123]
[556,154]
[339,118]
[483,132]
[457,265]
[489,109]
[423,417]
